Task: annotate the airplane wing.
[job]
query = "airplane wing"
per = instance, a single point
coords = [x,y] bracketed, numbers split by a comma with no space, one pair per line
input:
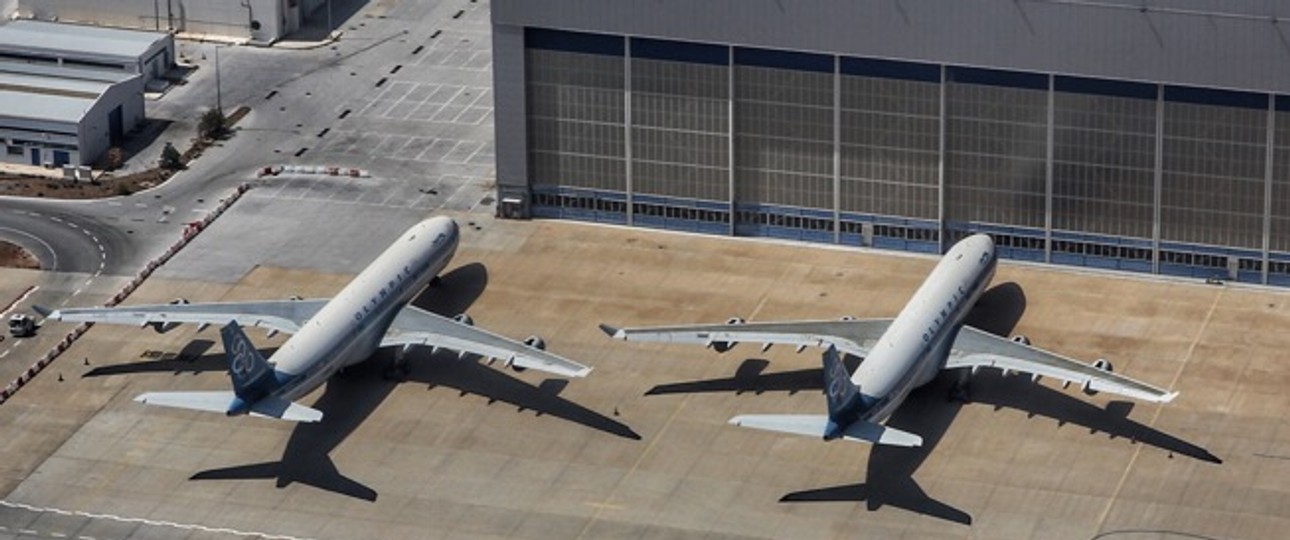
[283,315]
[855,337]
[976,348]
[415,326]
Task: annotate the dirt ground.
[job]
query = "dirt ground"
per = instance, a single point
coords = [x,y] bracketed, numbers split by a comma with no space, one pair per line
[108,184]
[14,256]
[28,186]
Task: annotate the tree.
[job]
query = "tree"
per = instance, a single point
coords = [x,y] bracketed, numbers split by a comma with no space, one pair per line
[211,126]
[170,158]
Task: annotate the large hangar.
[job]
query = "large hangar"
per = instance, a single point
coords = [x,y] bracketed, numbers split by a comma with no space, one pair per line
[1142,136]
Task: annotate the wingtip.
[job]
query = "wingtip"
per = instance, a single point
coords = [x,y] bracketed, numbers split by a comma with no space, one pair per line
[616,333]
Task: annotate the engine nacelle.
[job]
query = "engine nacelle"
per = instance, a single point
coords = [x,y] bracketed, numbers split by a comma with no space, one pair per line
[536,342]
[163,327]
[847,318]
[1021,338]
[723,346]
[464,319]
[1102,364]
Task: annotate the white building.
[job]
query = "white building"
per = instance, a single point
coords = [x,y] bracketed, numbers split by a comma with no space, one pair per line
[52,116]
[129,52]
[261,21]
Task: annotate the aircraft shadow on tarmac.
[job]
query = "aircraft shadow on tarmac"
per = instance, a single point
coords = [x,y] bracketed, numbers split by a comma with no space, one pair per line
[927,411]
[349,398]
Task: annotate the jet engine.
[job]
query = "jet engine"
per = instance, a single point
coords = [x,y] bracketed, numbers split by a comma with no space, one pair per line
[1021,338]
[723,346]
[464,319]
[535,342]
[161,327]
[1102,364]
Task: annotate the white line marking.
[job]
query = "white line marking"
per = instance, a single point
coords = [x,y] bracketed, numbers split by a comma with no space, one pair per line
[28,531]
[120,519]
[4,354]
[58,535]
[56,218]
[43,243]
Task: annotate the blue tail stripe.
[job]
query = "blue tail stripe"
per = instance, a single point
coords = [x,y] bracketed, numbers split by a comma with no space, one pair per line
[253,376]
[845,402]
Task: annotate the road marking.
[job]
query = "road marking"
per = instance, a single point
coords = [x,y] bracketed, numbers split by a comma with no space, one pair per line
[4,354]
[28,531]
[155,523]
[77,291]
[1124,477]
[43,243]
[58,535]
[56,218]
[19,300]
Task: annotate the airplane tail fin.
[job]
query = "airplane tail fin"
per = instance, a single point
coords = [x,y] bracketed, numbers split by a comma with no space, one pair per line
[252,375]
[844,396]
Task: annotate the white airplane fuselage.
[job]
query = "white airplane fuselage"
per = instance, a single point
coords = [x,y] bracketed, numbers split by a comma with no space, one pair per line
[351,326]
[914,348]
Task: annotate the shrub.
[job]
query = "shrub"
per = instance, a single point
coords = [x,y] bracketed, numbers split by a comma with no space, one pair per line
[212,124]
[170,158]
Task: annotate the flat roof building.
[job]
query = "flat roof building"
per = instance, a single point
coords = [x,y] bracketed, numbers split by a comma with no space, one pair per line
[150,54]
[259,21]
[53,116]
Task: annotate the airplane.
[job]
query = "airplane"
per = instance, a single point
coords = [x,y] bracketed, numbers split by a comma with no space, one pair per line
[371,312]
[927,336]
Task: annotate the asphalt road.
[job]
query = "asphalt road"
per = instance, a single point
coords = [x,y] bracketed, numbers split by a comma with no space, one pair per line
[65,240]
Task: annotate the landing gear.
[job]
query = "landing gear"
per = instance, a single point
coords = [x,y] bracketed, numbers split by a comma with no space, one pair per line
[961,392]
[398,370]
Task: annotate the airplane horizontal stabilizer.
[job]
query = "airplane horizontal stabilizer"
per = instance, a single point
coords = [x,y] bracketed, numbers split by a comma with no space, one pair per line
[217,401]
[220,401]
[272,407]
[815,426]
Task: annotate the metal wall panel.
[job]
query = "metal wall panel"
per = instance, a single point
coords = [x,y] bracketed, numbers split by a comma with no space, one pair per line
[1280,230]
[1213,174]
[680,125]
[575,119]
[783,137]
[890,147]
[510,89]
[995,154]
[1104,164]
